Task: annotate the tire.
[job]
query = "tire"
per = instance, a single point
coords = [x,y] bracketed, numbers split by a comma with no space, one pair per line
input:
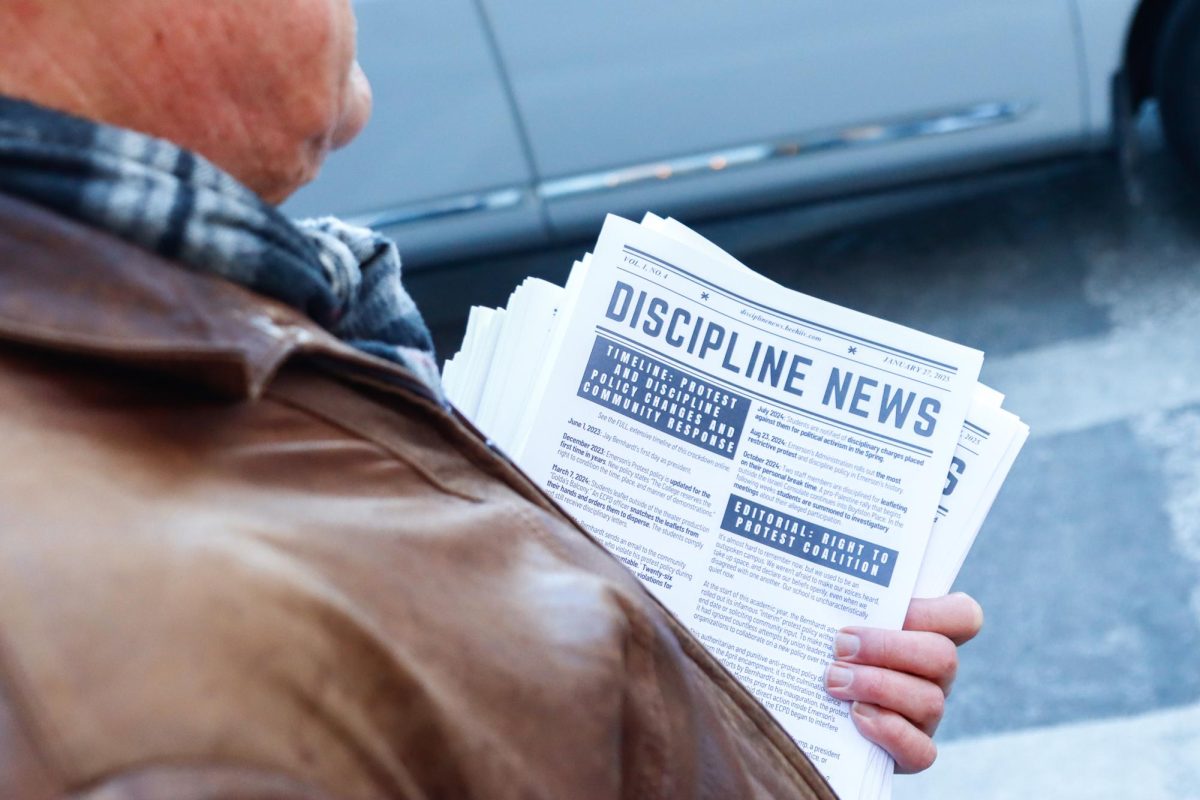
[1177,82]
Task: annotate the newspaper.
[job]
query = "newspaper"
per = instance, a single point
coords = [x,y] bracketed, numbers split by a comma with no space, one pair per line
[989,443]
[768,464]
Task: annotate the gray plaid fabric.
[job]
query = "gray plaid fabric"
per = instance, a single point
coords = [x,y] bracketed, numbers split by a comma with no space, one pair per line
[178,205]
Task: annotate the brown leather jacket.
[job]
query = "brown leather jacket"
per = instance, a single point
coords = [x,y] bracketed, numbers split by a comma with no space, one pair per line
[239,559]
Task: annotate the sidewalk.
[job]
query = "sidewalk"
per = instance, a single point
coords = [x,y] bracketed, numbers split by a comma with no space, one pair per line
[1150,757]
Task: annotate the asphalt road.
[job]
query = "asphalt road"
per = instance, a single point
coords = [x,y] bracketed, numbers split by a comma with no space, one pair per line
[1083,287]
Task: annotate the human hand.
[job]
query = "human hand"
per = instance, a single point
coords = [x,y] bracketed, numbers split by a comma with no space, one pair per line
[899,680]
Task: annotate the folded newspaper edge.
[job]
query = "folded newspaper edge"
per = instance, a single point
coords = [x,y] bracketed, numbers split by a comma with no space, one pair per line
[517,376]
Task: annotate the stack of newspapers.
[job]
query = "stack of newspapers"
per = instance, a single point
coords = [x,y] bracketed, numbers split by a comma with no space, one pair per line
[771,466]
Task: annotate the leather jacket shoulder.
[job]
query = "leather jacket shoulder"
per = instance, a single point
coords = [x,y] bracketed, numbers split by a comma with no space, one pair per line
[239,559]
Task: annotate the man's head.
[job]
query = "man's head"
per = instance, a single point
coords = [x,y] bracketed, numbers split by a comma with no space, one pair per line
[263,88]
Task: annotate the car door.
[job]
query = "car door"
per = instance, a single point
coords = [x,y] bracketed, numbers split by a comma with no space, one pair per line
[688,105]
[441,165]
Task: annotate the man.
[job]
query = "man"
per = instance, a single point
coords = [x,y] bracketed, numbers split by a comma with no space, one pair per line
[246,550]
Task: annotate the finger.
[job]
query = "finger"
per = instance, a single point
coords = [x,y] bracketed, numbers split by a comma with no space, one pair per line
[912,750]
[926,655]
[919,701]
[956,616]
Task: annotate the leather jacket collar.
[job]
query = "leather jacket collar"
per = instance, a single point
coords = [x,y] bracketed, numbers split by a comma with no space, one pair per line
[76,290]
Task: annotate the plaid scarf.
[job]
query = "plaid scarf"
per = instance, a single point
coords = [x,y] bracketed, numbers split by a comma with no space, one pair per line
[178,205]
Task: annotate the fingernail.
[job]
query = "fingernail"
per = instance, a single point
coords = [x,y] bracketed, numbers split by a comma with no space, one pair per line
[845,645]
[838,677]
[865,710]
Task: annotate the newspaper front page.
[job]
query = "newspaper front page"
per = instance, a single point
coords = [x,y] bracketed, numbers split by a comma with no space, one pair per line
[768,464]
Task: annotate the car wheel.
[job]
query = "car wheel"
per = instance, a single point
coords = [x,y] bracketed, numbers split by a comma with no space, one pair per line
[1177,82]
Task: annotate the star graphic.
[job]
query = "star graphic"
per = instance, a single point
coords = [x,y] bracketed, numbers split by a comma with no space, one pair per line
[853,350]
[704,295]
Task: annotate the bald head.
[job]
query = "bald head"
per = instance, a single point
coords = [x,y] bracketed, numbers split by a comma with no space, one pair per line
[263,88]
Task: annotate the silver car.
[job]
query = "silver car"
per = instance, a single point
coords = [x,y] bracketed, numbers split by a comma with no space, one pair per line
[513,123]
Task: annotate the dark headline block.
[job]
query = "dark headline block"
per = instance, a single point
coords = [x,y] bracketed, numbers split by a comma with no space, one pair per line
[809,541]
[667,399]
